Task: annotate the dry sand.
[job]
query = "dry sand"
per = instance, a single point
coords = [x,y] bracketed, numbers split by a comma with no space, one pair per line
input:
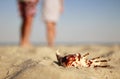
[40,63]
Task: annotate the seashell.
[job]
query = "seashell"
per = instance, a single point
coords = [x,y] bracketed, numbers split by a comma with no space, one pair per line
[68,60]
[76,60]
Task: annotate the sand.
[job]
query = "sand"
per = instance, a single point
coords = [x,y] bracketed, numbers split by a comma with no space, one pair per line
[40,62]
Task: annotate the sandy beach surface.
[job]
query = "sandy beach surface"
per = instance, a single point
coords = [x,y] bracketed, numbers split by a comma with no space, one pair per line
[40,62]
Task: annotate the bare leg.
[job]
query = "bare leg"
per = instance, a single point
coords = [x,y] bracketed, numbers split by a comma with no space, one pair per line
[25,31]
[51,32]
[27,13]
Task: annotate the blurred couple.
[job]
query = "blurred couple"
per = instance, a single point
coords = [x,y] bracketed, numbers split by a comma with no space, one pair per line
[51,11]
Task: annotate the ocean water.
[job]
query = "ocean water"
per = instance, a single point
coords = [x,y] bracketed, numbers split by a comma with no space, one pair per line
[63,43]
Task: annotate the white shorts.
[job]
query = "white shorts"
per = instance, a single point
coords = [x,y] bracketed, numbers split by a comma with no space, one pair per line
[51,10]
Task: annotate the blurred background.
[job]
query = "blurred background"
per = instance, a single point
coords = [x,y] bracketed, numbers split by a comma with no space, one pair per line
[83,22]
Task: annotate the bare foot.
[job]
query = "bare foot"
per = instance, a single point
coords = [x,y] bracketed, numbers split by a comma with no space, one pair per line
[51,45]
[26,45]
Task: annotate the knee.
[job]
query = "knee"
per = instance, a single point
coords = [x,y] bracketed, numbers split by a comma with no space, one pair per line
[27,19]
[50,26]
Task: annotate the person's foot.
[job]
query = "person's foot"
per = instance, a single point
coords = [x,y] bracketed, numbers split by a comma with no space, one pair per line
[50,44]
[25,45]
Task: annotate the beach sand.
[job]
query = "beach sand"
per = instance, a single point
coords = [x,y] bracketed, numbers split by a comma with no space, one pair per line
[40,62]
